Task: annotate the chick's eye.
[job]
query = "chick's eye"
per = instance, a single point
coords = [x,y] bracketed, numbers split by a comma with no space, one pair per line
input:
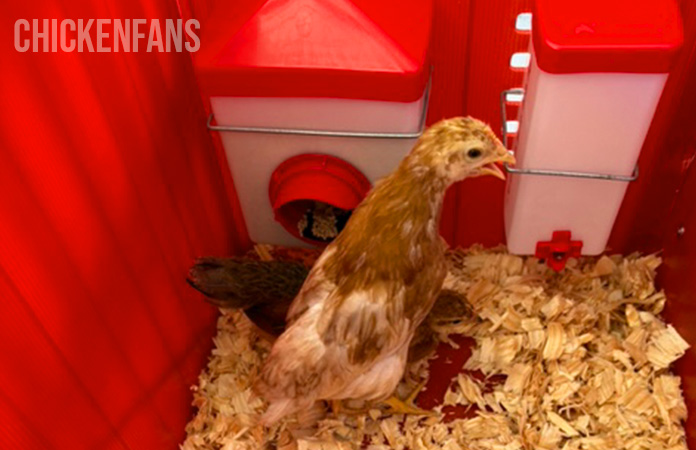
[474,153]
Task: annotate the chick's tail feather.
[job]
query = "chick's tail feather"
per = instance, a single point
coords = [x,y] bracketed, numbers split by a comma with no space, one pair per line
[244,283]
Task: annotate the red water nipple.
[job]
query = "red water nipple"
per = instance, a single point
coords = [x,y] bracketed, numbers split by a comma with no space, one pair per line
[557,251]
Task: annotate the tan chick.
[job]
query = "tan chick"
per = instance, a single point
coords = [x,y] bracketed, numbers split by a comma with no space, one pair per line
[350,326]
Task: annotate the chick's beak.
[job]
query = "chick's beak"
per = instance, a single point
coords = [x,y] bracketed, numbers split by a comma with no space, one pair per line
[503,156]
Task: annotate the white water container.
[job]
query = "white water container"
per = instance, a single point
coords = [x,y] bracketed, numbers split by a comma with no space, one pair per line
[596,74]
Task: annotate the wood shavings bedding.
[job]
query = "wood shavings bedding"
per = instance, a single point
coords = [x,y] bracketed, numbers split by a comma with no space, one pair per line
[581,360]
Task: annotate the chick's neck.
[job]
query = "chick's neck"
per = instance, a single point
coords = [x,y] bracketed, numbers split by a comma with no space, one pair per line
[407,204]
[394,232]
[423,184]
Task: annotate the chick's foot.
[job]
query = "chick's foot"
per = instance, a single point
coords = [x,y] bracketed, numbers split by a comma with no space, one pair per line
[395,405]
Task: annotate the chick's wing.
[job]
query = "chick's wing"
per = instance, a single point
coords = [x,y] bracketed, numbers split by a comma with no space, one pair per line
[365,324]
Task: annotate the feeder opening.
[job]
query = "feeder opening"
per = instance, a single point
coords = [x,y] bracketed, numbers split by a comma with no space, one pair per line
[322,222]
[314,195]
[312,220]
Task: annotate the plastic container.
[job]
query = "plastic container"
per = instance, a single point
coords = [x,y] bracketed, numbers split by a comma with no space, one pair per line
[594,81]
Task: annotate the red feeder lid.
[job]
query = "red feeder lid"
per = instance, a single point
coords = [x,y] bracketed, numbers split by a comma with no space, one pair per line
[634,36]
[314,177]
[362,49]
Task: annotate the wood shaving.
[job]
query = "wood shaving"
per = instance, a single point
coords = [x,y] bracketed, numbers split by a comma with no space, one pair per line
[666,346]
[572,360]
[555,341]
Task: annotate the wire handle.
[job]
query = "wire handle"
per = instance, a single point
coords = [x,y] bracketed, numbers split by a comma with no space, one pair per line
[330,133]
[554,173]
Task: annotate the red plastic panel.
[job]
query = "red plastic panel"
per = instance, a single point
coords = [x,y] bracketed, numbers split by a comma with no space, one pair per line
[641,224]
[448,49]
[638,36]
[659,209]
[17,430]
[677,277]
[492,40]
[110,187]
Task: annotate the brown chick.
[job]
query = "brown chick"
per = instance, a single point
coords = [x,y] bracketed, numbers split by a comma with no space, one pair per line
[263,289]
[350,326]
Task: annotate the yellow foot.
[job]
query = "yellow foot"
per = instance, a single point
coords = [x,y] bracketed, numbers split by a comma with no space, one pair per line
[407,406]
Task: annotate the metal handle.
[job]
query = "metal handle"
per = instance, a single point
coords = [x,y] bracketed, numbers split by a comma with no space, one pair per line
[329,133]
[554,173]
[568,174]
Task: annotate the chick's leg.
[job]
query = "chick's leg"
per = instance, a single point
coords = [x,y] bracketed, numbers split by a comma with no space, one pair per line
[339,407]
[395,405]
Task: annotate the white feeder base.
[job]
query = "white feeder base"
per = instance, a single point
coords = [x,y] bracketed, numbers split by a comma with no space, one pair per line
[253,157]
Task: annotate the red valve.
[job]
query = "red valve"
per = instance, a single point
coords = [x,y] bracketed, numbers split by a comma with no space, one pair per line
[557,251]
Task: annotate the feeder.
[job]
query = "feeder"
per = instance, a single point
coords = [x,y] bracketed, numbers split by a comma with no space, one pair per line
[312,78]
[596,75]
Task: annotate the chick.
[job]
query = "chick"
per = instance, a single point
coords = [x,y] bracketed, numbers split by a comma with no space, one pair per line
[350,326]
[263,289]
